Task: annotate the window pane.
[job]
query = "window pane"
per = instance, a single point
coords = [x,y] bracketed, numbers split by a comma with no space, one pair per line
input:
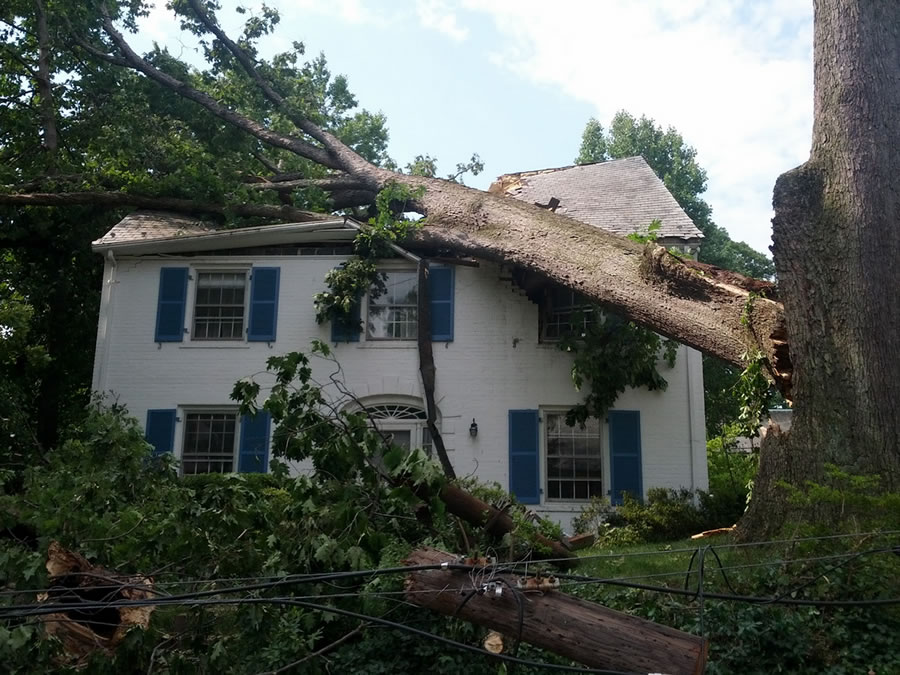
[393,314]
[219,306]
[209,440]
[402,438]
[574,463]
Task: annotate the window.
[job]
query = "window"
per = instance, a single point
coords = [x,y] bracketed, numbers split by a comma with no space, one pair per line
[219,306]
[574,465]
[405,423]
[562,309]
[209,442]
[393,313]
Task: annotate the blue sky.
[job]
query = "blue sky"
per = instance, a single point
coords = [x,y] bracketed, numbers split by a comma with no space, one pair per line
[516,80]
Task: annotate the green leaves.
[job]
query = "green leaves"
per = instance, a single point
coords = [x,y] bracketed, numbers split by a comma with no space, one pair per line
[610,355]
[353,278]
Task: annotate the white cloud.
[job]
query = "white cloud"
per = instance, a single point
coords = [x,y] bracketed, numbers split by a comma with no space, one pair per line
[436,15]
[734,78]
[349,11]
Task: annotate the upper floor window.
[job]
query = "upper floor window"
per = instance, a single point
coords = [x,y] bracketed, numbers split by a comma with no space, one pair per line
[393,314]
[219,306]
[230,304]
[565,311]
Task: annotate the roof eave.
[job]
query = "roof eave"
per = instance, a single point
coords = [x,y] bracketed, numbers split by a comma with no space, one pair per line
[287,233]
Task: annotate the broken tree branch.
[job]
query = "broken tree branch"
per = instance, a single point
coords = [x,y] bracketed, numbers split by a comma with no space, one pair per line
[345,158]
[119,199]
[427,369]
[275,139]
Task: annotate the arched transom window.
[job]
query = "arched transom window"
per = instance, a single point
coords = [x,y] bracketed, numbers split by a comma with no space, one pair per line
[405,422]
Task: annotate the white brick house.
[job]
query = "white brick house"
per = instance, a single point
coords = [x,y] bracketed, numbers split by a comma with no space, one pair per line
[187,311]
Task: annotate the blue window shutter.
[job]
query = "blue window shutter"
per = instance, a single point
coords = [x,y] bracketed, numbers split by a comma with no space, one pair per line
[347,330]
[625,454]
[160,431]
[524,456]
[440,295]
[263,320]
[254,453]
[173,283]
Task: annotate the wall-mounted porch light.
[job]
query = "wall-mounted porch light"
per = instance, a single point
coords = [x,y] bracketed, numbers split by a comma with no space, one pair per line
[473,428]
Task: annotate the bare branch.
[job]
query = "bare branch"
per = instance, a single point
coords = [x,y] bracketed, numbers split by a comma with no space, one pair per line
[348,199]
[120,199]
[266,162]
[295,145]
[98,53]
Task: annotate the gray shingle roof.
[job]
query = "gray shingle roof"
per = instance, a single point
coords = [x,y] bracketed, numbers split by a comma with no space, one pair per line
[622,196]
[150,225]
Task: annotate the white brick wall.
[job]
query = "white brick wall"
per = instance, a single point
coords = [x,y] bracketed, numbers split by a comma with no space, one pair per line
[494,364]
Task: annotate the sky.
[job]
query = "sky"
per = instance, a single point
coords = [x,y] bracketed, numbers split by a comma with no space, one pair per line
[517,80]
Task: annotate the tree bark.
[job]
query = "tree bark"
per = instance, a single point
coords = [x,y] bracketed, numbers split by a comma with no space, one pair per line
[121,199]
[50,140]
[836,249]
[427,369]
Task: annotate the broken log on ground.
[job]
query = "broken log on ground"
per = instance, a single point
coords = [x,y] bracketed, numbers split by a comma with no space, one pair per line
[573,628]
[74,580]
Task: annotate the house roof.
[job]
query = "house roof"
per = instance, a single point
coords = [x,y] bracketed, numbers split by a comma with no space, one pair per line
[622,196]
[165,232]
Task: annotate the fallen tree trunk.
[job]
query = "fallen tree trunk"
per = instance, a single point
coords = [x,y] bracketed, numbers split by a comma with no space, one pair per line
[573,628]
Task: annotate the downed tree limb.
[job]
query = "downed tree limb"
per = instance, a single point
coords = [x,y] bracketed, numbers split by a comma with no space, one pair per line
[73,580]
[571,627]
[427,368]
[120,199]
[498,522]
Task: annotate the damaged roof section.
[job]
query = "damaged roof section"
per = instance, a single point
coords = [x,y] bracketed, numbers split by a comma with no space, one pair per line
[149,225]
[621,196]
[148,232]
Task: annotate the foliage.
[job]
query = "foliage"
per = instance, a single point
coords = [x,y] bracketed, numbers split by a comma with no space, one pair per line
[426,165]
[667,514]
[731,475]
[651,234]
[609,355]
[120,132]
[861,500]
[349,281]
[768,637]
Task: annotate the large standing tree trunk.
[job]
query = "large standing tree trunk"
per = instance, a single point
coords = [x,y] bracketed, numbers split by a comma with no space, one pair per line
[837,253]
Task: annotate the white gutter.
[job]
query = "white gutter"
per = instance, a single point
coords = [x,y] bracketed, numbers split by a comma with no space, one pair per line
[326,230]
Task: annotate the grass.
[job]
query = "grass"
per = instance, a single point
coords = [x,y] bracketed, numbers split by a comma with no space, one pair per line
[667,563]
[661,564]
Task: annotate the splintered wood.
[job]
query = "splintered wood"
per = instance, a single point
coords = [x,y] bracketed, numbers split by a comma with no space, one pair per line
[571,627]
[74,580]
